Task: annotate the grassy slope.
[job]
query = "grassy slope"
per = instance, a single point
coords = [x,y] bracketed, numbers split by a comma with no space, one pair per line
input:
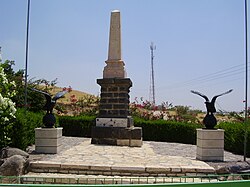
[66,99]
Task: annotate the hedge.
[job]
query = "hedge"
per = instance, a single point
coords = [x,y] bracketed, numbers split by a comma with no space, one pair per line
[159,130]
[168,131]
[79,126]
[234,137]
[23,133]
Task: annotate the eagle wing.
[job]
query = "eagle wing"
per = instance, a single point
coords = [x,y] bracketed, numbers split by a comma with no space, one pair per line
[59,95]
[215,97]
[200,94]
[47,95]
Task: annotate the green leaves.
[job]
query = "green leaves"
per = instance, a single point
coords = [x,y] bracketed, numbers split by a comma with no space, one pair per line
[7,107]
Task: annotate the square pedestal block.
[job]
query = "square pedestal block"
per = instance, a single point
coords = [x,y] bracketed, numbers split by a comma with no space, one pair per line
[210,144]
[48,140]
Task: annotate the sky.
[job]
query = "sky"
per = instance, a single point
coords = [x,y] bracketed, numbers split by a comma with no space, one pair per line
[200,45]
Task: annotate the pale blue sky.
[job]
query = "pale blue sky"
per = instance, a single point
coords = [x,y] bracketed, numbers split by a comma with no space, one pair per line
[200,45]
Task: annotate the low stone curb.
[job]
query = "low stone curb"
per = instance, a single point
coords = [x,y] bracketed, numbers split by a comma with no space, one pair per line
[42,167]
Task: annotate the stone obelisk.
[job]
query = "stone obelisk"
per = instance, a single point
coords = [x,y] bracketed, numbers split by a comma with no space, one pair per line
[114,126]
[115,65]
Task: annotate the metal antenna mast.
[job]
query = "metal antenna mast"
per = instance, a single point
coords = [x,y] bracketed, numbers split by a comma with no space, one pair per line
[152,79]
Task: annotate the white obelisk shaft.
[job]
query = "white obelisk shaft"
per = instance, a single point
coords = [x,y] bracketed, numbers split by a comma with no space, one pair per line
[115,65]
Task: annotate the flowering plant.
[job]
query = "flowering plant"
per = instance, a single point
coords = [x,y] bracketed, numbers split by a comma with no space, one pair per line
[7,107]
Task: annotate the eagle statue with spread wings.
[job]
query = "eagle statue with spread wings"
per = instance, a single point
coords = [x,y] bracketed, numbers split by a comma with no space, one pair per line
[210,121]
[49,119]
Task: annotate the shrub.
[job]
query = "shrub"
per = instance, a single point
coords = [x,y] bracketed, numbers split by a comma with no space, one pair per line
[23,132]
[7,107]
[79,126]
[157,130]
[234,137]
[167,131]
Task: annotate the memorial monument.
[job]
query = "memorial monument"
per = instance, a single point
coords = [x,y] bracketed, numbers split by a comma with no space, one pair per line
[114,125]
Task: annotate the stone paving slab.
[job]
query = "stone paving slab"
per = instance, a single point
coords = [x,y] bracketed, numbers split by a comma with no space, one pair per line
[82,157]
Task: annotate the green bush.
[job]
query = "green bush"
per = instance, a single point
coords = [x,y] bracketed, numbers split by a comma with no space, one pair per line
[234,137]
[158,130]
[79,126]
[23,133]
[167,131]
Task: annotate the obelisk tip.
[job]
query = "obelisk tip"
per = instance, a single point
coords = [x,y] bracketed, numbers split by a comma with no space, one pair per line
[116,11]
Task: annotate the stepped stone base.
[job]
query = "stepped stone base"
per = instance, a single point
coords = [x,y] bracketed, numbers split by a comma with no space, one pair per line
[120,136]
[210,145]
[48,140]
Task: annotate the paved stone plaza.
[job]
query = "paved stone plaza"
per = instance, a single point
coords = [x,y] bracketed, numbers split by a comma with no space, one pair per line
[79,156]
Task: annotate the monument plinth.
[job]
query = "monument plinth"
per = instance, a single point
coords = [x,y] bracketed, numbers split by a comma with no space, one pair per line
[114,126]
[210,144]
[48,140]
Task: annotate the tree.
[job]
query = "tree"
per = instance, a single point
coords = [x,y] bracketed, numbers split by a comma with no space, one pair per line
[35,100]
[7,107]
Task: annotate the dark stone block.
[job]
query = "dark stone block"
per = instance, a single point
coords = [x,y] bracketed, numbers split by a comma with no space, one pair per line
[123,95]
[105,141]
[105,81]
[106,95]
[125,81]
[110,81]
[136,133]
[112,112]
[113,89]
[105,106]
[123,89]
[116,132]
[102,112]
[113,100]
[103,101]
[120,106]
[103,89]
[123,112]
[125,101]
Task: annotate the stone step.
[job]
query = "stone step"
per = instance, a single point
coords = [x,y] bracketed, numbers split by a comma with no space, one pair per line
[120,170]
[57,178]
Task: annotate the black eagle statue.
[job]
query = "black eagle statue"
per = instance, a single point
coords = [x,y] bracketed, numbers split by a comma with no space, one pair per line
[210,121]
[49,119]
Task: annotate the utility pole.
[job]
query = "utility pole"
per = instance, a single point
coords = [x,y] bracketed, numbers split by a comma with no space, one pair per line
[0,54]
[26,54]
[246,86]
[152,79]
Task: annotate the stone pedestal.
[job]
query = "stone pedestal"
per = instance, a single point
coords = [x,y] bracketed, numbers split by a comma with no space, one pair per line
[210,145]
[48,140]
